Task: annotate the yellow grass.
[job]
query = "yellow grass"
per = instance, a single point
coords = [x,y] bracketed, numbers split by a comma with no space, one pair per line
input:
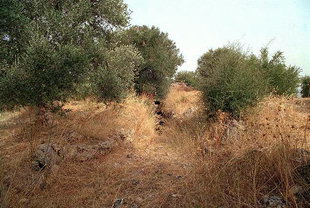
[184,165]
[260,161]
[180,98]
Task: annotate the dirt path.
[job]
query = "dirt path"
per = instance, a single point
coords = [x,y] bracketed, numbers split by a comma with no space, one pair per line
[152,176]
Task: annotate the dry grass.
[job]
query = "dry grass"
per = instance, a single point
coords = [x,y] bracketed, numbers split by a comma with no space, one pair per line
[137,115]
[184,166]
[259,161]
[182,98]
[71,183]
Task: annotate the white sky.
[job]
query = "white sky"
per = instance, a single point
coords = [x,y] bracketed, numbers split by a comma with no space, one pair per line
[199,25]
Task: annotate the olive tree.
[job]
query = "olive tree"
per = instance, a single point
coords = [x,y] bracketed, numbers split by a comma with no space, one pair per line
[68,41]
[188,77]
[305,86]
[116,77]
[161,58]
[283,79]
[231,80]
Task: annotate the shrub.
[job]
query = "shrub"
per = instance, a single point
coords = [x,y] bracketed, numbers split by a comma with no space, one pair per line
[14,32]
[116,77]
[305,86]
[231,80]
[283,80]
[46,74]
[62,49]
[161,58]
[188,77]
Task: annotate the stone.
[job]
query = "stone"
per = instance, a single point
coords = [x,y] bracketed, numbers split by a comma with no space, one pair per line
[125,134]
[176,195]
[134,206]
[118,203]
[301,155]
[302,192]
[135,182]
[233,130]
[295,190]
[46,155]
[304,173]
[189,113]
[161,123]
[85,152]
[274,202]
[74,136]
[23,201]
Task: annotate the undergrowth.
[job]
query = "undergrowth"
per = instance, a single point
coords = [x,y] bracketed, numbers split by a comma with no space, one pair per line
[222,163]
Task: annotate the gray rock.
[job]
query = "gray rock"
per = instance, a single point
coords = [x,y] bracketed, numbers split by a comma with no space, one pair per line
[84,152]
[125,134]
[118,203]
[274,202]
[74,136]
[303,191]
[233,130]
[296,190]
[189,113]
[46,155]
[301,155]
[304,173]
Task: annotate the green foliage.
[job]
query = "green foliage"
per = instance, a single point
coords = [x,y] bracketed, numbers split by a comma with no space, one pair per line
[231,80]
[161,58]
[46,73]
[305,86]
[283,80]
[69,44]
[76,21]
[188,77]
[13,30]
[113,81]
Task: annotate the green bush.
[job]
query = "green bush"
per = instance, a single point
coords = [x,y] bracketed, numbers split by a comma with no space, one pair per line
[14,33]
[68,46]
[45,74]
[114,80]
[188,77]
[231,80]
[283,80]
[305,86]
[161,58]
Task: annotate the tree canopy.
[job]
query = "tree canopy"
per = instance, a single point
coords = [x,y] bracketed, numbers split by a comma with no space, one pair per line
[233,79]
[305,86]
[161,58]
[49,47]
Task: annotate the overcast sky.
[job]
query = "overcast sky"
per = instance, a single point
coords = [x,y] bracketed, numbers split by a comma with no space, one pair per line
[199,25]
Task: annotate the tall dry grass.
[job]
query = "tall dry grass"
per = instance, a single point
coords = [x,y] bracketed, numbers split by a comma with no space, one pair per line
[181,98]
[192,163]
[70,183]
[259,161]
